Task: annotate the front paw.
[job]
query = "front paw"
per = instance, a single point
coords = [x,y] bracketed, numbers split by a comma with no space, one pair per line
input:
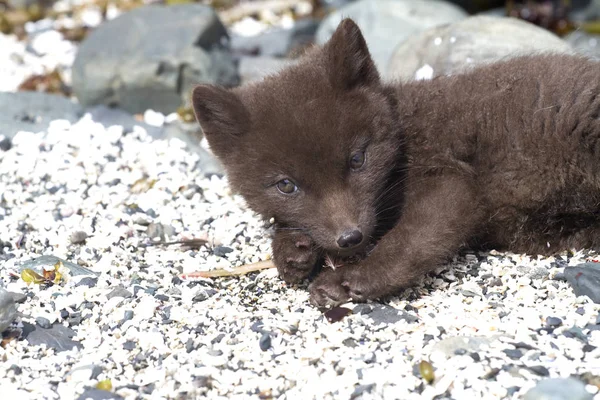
[352,282]
[294,255]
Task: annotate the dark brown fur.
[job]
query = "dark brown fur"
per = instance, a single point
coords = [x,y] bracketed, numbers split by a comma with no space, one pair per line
[506,156]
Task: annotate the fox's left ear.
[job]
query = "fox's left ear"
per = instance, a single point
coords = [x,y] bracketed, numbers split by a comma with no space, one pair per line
[221,115]
[349,62]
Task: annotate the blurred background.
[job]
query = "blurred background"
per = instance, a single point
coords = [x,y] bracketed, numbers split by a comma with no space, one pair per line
[134,61]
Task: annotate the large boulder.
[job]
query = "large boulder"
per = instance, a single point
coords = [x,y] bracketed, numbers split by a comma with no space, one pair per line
[151,57]
[454,48]
[386,23]
[33,111]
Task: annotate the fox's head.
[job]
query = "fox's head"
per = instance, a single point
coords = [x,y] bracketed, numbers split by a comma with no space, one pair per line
[312,146]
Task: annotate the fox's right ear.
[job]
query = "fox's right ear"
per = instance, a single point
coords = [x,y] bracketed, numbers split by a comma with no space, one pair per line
[220,113]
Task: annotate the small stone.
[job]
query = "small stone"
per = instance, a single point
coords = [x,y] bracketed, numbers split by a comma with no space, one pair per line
[127,315]
[585,280]
[460,352]
[98,394]
[5,143]
[87,281]
[361,389]
[553,322]
[129,345]
[78,237]
[15,369]
[220,251]
[57,337]
[513,354]
[265,342]
[558,389]
[189,345]
[8,309]
[218,338]
[18,298]
[161,297]
[350,343]
[203,294]
[539,370]
[43,322]
[119,292]
[215,353]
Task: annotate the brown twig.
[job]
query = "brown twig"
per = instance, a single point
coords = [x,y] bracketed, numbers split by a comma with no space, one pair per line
[241,270]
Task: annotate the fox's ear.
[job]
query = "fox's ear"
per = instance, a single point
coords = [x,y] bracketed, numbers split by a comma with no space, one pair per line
[348,58]
[220,113]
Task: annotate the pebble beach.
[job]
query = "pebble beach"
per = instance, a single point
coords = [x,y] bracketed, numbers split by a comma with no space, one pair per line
[121,219]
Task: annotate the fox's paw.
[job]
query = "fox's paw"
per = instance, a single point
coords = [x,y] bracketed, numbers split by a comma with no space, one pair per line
[294,255]
[352,282]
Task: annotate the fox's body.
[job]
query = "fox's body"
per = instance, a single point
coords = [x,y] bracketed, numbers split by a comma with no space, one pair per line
[506,156]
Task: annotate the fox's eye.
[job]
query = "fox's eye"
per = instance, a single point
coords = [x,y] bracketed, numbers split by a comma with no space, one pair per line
[286,186]
[357,160]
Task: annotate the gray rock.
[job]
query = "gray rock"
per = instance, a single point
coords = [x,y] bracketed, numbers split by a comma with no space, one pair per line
[8,309]
[383,314]
[43,323]
[38,264]
[585,43]
[151,57]
[558,389]
[386,23]
[18,297]
[277,42]
[474,41]
[256,68]
[33,111]
[119,292]
[585,280]
[5,143]
[57,337]
[97,394]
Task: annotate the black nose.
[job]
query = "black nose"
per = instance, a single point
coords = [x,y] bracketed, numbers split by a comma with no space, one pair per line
[350,238]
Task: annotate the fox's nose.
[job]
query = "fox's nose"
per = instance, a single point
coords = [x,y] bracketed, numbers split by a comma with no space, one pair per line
[350,238]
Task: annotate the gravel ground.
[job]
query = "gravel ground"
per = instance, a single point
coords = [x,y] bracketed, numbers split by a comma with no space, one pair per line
[489,325]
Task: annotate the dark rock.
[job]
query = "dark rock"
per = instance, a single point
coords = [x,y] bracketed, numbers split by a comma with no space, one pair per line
[18,298]
[168,50]
[58,337]
[119,292]
[43,323]
[87,281]
[387,23]
[588,347]
[189,345]
[384,314]
[539,370]
[361,389]
[97,394]
[513,354]
[474,41]
[585,280]
[265,342]
[127,315]
[15,369]
[161,297]
[558,389]
[553,322]
[218,338]
[204,294]
[96,371]
[37,264]
[350,343]
[129,345]
[8,309]
[33,111]
[475,356]
[220,251]
[460,352]
[5,143]
[78,237]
